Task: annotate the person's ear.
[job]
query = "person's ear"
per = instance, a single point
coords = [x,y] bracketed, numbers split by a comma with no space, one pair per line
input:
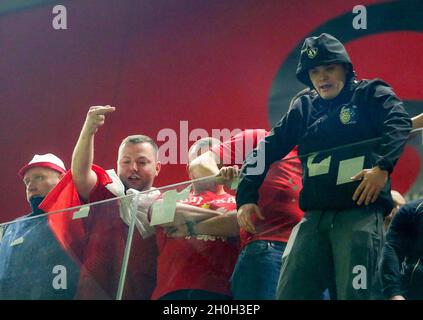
[158,167]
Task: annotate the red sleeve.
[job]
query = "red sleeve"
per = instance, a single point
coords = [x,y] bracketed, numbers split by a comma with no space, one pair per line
[70,233]
[234,151]
[99,192]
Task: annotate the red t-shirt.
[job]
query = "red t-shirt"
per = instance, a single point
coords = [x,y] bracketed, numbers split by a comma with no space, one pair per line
[98,242]
[279,193]
[201,262]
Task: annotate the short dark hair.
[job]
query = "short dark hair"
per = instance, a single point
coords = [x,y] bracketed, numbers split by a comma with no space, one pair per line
[139,138]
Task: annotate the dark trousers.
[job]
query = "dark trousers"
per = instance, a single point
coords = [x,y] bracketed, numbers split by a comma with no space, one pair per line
[333,249]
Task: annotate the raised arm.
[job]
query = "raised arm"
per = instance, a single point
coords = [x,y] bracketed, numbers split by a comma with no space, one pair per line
[83,155]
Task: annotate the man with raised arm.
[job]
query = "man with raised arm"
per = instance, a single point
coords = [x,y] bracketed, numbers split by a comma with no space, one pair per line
[99,240]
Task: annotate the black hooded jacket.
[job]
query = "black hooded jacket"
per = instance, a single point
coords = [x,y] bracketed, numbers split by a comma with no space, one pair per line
[363,110]
[403,249]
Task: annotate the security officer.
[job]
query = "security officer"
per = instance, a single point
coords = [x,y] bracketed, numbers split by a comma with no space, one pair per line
[346,184]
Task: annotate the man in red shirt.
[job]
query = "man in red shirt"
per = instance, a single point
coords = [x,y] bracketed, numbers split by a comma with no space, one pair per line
[197,258]
[265,234]
[98,241]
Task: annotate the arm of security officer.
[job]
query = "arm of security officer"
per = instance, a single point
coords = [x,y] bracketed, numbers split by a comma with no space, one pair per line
[396,247]
[372,182]
[282,139]
[394,123]
[223,225]
[83,154]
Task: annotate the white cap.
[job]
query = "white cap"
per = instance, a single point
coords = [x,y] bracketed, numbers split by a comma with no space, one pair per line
[48,160]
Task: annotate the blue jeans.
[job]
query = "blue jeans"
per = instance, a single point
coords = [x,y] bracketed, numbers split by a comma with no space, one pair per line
[256,272]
